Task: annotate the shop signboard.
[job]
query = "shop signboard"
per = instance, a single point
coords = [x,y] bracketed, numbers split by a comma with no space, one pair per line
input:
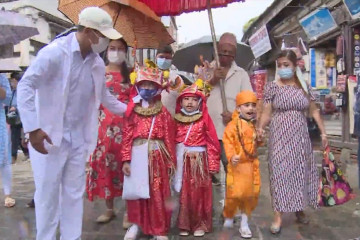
[260,42]
[318,23]
[324,91]
[352,86]
[356,35]
[353,6]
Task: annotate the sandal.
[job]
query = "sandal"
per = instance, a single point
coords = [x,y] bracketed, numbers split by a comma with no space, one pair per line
[107,217]
[31,204]
[302,218]
[9,202]
[275,229]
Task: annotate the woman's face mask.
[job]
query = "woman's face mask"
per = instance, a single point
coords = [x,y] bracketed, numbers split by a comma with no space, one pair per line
[286,73]
[163,63]
[116,57]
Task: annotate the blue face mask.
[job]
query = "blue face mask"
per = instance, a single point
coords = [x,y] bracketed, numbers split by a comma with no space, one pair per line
[147,94]
[286,73]
[163,63]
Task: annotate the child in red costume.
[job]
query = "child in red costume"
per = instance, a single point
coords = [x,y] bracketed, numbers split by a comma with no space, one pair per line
[148,122]
[198,157]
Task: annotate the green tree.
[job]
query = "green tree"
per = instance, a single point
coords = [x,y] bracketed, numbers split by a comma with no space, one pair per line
[248,24]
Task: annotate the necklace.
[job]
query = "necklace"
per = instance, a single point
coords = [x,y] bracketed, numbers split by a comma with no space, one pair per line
[250,155]
[149,111]
[187,119]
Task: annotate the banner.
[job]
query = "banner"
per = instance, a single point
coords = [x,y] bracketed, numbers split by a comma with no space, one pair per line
[260,42]
[258,80]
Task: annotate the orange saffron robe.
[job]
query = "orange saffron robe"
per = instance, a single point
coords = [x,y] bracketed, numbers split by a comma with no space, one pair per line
[243,178]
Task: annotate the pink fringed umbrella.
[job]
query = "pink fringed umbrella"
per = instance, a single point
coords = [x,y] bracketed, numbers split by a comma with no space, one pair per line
[176,7]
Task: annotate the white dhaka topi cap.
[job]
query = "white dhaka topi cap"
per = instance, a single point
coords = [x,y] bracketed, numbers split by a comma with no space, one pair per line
[98,19]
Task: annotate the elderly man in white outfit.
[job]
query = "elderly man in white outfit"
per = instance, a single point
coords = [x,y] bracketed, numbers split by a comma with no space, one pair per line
[58,98]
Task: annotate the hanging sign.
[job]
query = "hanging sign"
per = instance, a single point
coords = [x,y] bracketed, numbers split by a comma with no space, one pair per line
[318,23]
[260,42]
[258,80]
[353,8]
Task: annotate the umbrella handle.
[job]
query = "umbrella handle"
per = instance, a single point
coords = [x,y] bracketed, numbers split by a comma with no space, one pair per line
[212,27]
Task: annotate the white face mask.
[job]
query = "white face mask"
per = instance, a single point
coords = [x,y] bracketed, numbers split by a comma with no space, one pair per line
[101,45]
[116,57]
[189,113]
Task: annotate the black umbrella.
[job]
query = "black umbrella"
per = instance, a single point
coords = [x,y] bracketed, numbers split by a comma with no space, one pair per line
[188,56]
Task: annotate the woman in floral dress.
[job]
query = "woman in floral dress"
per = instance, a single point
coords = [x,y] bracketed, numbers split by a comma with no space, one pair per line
[293,173]
[105,177]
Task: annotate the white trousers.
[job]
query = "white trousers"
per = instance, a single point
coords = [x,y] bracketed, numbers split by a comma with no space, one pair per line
[60,184]
[6,175]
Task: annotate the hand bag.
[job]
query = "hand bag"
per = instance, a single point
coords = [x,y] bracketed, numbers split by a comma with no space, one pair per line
[334,188]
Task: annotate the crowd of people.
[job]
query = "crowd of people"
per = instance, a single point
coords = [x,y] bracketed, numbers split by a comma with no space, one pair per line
[98,129]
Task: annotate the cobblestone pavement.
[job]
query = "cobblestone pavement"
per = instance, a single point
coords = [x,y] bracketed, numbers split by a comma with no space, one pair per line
[337,223]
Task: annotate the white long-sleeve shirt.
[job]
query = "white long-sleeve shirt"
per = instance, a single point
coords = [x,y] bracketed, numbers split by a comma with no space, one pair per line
[49,91]
[237,80]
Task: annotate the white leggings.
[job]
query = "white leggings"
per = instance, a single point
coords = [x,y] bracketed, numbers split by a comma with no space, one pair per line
[6,178]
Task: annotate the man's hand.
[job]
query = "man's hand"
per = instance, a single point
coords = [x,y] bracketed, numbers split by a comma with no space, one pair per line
[219,73]
[37,138]
[227,116]
[126,168]
[12,109]
[235,159]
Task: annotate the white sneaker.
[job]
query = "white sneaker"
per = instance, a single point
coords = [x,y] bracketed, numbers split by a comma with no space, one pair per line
[132,232]
[245,232]
[199,233]
[184,233]
[229,223]
[160,238]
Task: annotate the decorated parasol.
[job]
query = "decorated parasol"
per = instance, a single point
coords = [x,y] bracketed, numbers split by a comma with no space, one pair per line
[139,25]
[177,7]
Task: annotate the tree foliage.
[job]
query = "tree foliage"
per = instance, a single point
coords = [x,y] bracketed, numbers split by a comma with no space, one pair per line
[248,24]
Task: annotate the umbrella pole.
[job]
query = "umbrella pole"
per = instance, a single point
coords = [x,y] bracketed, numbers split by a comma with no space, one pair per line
[222,88]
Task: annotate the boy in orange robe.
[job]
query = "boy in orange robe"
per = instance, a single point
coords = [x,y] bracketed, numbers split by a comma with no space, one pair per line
[243,177]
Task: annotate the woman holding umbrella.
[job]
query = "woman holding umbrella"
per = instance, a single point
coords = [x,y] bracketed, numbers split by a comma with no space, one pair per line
[105,178]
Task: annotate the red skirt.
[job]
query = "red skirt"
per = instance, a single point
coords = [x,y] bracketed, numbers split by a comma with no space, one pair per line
[196,194]
[152,215]
[105,179]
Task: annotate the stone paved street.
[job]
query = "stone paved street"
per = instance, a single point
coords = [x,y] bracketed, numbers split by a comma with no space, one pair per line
[337,223]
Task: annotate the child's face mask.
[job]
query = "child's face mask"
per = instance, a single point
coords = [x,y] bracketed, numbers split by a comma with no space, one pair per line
[247,111]
[147,90]
[147,94]
[190,105]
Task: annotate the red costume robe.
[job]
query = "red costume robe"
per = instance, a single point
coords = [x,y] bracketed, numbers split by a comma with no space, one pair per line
[196,193]
[151,215]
